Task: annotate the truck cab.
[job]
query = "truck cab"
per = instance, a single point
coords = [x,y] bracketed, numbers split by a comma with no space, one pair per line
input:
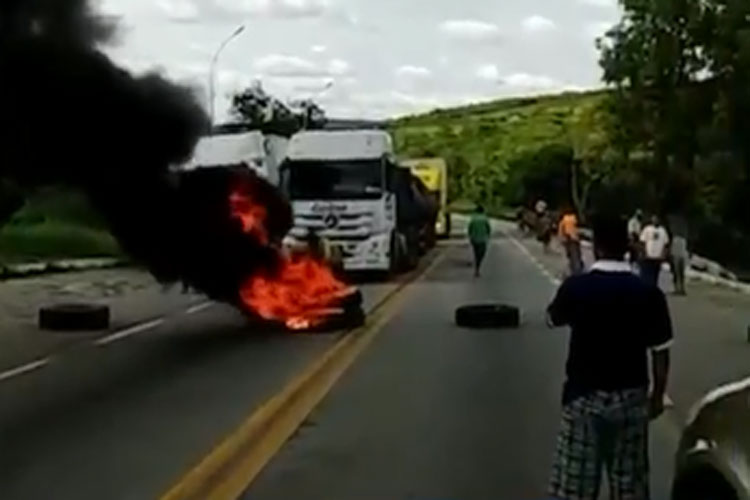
[343,186]
[254,150]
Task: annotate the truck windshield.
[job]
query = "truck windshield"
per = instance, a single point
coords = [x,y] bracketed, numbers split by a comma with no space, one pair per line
[315,180]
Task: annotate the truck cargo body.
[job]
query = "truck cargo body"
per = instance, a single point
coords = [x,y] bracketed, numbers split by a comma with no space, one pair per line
[433,172]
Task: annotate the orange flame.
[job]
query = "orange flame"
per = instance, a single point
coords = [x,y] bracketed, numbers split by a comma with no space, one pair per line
[302,292]
[253,216]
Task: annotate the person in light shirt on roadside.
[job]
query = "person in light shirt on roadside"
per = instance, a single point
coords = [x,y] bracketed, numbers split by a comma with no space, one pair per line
[655,240]
[635,228]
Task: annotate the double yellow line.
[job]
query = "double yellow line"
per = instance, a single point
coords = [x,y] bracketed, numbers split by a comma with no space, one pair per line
[226,472]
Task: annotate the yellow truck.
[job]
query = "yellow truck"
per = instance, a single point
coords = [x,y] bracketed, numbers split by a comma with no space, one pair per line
[433,172]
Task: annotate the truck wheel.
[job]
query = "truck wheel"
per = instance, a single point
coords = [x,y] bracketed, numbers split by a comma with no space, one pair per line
[447,225]
[397,253]
[74,317]
[488,316]
[412,250]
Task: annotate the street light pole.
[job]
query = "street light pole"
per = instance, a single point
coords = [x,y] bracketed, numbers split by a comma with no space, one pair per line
[212,71]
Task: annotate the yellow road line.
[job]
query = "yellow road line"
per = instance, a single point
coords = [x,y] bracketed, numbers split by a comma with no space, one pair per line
[226,472]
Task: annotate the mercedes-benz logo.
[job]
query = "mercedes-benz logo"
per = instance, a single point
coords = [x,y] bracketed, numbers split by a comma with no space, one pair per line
[331,221]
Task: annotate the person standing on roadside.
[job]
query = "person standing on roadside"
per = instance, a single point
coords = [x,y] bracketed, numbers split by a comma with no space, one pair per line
[635,227]
[606,401]
[544,227]
[655,240]
[571,241]
[479,236]
[679,255]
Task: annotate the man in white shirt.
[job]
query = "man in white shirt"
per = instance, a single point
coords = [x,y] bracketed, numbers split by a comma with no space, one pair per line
[655,240]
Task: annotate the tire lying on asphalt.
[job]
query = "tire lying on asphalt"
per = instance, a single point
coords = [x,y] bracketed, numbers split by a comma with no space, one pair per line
[488,316]
[74,317]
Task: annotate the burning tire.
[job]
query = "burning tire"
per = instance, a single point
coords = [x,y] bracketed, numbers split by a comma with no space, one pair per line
[346,320]
[74,317]
[488,316]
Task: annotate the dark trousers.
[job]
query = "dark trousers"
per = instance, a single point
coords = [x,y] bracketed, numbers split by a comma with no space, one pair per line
[573,253]
[650,270]
[679,266]
[480,250]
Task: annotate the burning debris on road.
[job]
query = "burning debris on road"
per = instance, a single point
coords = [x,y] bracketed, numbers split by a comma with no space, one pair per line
[70,116]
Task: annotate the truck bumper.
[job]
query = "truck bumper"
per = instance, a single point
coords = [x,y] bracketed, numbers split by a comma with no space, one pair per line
[371,254]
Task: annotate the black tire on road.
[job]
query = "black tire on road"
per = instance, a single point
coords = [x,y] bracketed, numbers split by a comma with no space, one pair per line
[448,226]
[488,316]
[74,317]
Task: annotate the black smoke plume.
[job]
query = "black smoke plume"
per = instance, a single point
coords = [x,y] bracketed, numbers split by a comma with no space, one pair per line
[68,115]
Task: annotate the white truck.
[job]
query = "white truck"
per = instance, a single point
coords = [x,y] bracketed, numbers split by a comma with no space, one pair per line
[262,153]
[346,187]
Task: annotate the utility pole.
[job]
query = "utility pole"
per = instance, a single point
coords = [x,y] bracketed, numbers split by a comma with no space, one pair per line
[212,73]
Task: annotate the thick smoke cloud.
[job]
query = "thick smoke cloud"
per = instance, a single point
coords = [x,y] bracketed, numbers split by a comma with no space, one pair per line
[69,115]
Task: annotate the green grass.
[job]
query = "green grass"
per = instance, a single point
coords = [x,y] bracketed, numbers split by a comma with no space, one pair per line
[55,223]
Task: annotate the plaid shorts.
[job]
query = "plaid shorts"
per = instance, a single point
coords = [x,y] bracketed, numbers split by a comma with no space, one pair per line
[603,430]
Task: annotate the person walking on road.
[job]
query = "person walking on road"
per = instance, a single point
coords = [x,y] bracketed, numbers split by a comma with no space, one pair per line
[655,240]
[606,401]
[479,236]
[570,239]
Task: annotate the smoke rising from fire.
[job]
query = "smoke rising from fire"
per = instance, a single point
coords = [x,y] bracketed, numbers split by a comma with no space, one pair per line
[68,115]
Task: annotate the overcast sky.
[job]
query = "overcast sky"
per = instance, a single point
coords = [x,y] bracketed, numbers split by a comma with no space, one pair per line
[384,57]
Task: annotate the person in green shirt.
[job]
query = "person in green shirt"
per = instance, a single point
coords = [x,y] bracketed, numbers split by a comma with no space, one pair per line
[479,236]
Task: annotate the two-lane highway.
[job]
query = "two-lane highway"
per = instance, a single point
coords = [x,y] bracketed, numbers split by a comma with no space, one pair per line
[426,409]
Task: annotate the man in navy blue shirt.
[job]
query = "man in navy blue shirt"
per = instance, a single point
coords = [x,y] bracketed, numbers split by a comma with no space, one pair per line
[616,320]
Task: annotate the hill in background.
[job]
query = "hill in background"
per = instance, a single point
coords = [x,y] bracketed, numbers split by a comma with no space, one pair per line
[482,142]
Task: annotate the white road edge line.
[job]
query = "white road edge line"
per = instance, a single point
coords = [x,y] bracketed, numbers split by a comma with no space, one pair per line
[24,369]
[546,272]
[128,332]
[199,307]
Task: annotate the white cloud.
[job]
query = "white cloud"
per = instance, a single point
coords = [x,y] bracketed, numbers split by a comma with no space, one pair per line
[284,65]
[111,7]
[338,67]
[413,72]
[471,30]
[277,8]
[599,3]
[318,49]
[488,72]
[597,29]
[281,65]
[538,24]
[526,81]
[184,11]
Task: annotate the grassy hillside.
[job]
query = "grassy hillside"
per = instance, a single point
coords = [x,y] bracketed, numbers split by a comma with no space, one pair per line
[55,223]
[482,141]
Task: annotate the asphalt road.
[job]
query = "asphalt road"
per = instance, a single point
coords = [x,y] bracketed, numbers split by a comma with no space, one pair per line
[433,411]
[429,411]
[125,420]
